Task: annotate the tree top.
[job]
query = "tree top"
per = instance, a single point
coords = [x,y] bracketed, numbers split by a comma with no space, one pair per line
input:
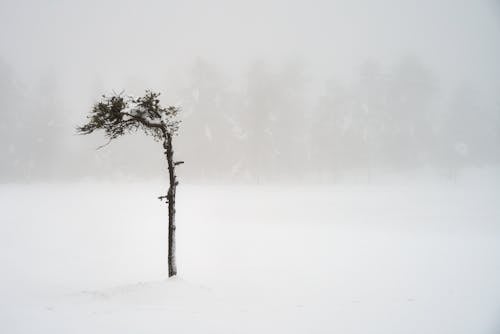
[119,114]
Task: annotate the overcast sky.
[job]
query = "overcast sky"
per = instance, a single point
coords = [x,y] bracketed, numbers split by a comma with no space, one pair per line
[119,40]
[63,55]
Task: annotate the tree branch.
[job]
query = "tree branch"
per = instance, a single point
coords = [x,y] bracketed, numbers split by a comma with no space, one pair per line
[161,198]
[104,145]
[143,121]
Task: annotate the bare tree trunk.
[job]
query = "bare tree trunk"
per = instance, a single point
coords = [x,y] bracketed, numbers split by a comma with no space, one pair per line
[169,152]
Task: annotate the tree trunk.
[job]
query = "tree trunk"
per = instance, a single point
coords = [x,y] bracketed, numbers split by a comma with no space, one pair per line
[169,152]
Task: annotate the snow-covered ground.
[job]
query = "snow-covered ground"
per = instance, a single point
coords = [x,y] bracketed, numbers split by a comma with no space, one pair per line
[407,258]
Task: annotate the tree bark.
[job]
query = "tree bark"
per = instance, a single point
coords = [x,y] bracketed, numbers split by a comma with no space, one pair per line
[169,152]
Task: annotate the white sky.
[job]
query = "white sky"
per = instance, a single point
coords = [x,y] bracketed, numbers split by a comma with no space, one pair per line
[116,40]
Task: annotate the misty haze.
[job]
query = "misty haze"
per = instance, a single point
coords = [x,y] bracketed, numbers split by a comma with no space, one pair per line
[250,166]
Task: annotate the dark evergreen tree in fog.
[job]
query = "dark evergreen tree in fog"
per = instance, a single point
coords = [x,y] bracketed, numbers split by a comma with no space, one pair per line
[120,114]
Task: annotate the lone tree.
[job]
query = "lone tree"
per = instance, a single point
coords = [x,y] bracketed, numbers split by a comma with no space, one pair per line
[120,114]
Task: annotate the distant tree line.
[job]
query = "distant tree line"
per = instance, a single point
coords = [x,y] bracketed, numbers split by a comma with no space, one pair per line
[273,122]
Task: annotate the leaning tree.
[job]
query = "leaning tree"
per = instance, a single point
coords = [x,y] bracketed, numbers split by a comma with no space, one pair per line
[119,114]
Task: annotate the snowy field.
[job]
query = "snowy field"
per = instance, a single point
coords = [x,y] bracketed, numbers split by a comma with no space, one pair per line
[382,258]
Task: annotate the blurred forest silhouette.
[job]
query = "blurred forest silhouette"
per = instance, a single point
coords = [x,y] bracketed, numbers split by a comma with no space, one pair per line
[272,123]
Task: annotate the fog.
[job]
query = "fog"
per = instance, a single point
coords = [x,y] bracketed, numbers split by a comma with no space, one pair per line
[269,90]
[341,167]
